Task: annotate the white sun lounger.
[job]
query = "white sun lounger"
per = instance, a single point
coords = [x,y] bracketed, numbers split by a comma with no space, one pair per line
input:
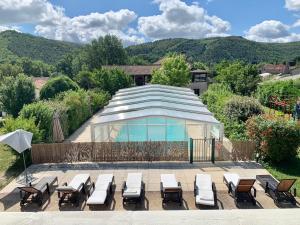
[102,188]
[170,189]
[71,192]
[133,188]
[204,190]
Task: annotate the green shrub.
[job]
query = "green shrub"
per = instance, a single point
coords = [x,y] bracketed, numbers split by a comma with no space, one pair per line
[277,139]
[43,112]
[216,97]
[86,80]
[57,85]
[112,80]
[11,124]
[98,99]
[78,107]
[241,108]
[280,89]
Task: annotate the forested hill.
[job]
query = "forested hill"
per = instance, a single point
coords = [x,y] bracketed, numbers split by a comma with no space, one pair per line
[213,50]
[14,45]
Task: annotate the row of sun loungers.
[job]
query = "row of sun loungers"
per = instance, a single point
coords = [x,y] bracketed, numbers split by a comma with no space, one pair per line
[133,189]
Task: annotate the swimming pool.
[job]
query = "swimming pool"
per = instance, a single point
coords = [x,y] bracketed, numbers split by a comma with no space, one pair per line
[152,129]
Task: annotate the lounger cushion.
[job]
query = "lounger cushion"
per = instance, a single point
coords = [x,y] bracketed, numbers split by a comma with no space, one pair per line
[132,192]
[103,182]
[42,184]
[204,197]
[203,181]
[168,181]
[134,180]
[65,188]
[232,177]
[97,198]
[78,180]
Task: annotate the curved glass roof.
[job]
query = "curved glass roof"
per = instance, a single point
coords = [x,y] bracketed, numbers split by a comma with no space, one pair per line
[156,100]
[154,93]
[151,86]
[162,90]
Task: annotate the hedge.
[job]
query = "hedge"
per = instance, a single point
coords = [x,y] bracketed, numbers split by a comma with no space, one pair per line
[57,85]
[43,112]
[281,89]
[74,108]
[277,139]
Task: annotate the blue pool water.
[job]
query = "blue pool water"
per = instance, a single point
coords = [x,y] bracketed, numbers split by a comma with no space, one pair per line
[153,129]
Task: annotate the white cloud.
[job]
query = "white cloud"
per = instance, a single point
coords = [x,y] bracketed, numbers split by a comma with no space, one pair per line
[271,31]
[29,11]
[181,20]
[51,22]
[88,27]
[4,28]
[293,5]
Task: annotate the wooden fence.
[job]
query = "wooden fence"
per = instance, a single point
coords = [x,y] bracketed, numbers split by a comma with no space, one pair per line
[109,152]
[236,150]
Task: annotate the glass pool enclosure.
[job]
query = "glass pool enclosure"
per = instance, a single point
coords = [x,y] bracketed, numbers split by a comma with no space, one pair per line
[155,113]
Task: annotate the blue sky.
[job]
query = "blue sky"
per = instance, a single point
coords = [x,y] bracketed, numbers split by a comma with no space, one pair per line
[138,21]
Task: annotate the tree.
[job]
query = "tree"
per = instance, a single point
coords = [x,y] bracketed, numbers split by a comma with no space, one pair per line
[9,70]
[174,71]
[106,50]
[35,68]
[86,80]
[112,80]
[200,65]
[15,93]
[57,85]
[65,65]
[240,77]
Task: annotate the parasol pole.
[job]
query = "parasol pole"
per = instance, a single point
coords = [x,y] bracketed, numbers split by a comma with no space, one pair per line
[26,179]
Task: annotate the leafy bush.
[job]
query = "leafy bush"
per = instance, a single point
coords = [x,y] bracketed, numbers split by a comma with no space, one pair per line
[280,89]
[277,139]
[42,112]
[86,80]
[112,80]
[11,124]
[78,107]
[216,98]
[15,93]
[98,99]
[57,85]
[240,77]
[241,108]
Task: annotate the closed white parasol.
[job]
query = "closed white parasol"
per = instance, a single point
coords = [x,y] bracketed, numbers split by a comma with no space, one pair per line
[19,140]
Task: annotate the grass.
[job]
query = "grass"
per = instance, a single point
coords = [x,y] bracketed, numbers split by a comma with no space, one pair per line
[10,165]
[287,170]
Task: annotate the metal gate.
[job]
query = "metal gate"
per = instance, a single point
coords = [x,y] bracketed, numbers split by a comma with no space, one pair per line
[202,150]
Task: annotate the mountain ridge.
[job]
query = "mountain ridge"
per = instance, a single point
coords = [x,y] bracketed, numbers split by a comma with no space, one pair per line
[212,50]
[14,45]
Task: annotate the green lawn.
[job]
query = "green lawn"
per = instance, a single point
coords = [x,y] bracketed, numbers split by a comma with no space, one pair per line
[10,165]
[287,170]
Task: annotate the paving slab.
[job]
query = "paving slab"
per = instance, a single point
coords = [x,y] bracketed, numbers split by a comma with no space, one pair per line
[191,217]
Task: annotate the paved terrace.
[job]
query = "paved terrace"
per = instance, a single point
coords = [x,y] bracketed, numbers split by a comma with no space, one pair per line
[185,173]
[213,217]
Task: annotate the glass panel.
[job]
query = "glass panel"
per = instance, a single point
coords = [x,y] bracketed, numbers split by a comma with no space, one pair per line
[176,133]
[156,120]
[137,132]
[119,133]
[156,133]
